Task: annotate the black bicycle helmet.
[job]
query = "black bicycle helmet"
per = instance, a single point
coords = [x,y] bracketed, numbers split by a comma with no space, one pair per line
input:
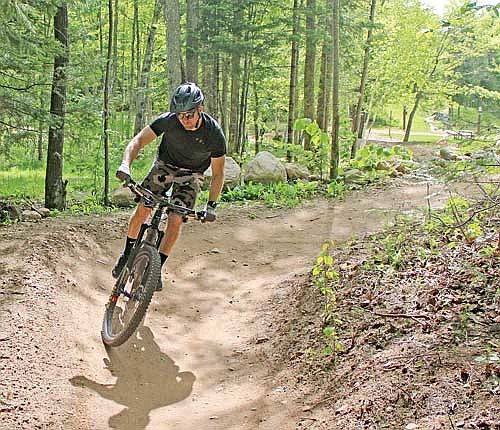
[186,97]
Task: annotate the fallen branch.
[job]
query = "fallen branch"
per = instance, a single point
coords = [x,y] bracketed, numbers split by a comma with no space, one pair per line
[382,314]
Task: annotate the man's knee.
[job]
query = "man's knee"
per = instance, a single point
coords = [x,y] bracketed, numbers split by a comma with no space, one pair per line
[140,213]
[174,221]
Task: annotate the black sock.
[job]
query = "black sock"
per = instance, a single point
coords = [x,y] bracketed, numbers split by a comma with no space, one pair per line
[163,258]
[128,245]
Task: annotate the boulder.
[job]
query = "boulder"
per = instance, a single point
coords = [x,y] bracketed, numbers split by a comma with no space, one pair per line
[122,197]
[383,165]
[448,154]
[29,215]
[355,177]
[296,171]
[405,167]
[482,155]
[232,174]
[44,212]
[265,168]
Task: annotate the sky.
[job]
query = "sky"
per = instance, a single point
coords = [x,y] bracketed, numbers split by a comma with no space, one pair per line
[439,5]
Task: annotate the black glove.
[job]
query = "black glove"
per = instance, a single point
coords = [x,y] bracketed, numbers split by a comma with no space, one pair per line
[209,213]
[123,172]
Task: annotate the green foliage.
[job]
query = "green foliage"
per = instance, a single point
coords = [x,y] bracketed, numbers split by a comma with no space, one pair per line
[316,159]
[370,156]
[469,73]
[22,183]
[325,278]
[336,189]
[274,195]
[455,222]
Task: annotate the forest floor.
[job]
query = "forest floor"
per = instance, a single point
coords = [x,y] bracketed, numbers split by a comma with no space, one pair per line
[222,345]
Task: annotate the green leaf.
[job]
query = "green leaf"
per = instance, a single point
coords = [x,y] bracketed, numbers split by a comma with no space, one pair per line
[301,124]
[327,351]
[328,331]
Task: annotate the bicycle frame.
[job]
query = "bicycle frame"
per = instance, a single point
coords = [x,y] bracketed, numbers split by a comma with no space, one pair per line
[154,235]
[138,280]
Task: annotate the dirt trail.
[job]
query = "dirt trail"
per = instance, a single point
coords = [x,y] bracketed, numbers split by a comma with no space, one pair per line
[196,362]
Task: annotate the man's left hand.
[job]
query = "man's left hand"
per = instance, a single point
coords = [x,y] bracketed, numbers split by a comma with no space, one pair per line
[210,214]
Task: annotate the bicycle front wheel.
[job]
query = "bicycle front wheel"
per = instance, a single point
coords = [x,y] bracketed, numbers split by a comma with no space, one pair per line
[131,297]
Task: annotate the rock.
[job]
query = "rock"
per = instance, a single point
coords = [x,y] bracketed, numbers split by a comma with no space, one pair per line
[232,174]
[29,215]
[448,154]
[296,171]
[122,197]
[482,155]
[383,165]
[265,168]
[44,212]
[355,176]
[405,166]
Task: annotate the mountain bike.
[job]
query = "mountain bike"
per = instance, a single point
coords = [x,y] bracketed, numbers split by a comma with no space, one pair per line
[136,284]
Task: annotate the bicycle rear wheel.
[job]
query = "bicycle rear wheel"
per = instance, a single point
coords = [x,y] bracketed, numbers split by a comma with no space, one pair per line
[131,297]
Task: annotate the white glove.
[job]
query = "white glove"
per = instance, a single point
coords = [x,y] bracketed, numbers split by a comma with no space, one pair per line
[209,213]
[123,172]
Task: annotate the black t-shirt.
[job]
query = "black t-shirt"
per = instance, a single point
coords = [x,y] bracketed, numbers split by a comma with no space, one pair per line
[189,149]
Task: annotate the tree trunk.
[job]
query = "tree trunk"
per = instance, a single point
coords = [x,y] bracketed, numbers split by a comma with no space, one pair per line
[292,92]
[138,59]
[107,93]
[55,188]
[418,97]
[133,69]
[334,153]
[192,39]
[325,81]
[174,67]
[256,115]
[356,127]
[224,98]
[211,84]
[309,66]
[143,85]
[235,78]
[114,62]
[244,103]
[40,130]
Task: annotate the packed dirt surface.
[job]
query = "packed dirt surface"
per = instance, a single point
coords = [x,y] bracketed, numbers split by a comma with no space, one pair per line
[198,360]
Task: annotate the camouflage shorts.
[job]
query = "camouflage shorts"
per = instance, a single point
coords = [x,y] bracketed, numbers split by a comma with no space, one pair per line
[185,183]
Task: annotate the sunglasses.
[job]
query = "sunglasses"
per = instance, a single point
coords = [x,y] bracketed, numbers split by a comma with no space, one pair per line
[187,115]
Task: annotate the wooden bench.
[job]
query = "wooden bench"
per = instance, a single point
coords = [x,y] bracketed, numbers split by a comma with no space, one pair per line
[461,134]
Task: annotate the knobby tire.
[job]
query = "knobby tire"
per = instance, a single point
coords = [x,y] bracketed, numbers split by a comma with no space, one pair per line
[144,275]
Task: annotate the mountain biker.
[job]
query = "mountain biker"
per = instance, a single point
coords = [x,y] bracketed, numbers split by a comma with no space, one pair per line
[191,142]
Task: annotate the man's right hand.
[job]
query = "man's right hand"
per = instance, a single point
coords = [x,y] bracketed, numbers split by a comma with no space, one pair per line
[123,172]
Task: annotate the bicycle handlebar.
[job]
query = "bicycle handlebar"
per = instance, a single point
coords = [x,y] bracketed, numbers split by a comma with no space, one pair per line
[153,199]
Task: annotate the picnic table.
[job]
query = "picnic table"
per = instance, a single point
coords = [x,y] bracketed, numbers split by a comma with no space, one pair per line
[461,134]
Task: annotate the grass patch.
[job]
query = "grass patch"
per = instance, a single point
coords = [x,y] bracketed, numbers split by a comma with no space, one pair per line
[22,183]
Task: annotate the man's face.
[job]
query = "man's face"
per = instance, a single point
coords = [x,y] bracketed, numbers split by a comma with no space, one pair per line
[190,119]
